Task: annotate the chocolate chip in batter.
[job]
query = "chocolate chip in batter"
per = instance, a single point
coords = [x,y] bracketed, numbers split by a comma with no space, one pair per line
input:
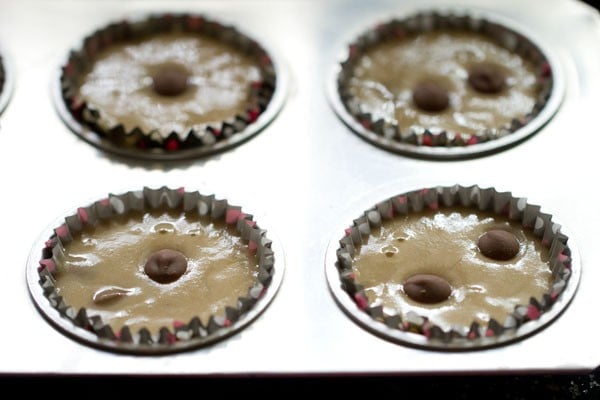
[486,78]
[431,96]
[170,80]
[427,288]
[165,266]
[498,244]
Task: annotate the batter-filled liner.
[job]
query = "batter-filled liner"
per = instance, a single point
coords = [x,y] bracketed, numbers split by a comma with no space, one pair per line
[215,85]
[374,86]
[158,216]
[415,323]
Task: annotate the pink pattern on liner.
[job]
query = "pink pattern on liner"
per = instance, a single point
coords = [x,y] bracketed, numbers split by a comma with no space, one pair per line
[178,324]
[232,216]
[48,264]
[83,215]
[532,312]
[62,231]
[361,301]
[252,246]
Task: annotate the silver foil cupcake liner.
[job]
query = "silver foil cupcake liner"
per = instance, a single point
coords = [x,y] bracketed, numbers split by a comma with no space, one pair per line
[416,330]
[438,142]
[182,335]
[266,95]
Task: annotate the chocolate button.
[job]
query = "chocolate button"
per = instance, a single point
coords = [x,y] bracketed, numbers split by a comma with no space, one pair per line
[486,78]
[430,96]
[165,266]
[426,288]
[498,244]
[170,80]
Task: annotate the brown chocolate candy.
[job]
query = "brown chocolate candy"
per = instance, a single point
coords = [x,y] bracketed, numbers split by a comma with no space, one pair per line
[486,78]
[498,244]
[165,266]
[427,288]
[431,97]
[170,80]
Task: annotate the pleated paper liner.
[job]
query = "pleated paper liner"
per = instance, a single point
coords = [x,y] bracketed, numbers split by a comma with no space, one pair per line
[265,98]
[89,328]
[440,142]
[412,329]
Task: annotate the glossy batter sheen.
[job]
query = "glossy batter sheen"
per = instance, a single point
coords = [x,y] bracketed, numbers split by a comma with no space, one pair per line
[385,76]
[220,270]
[119,83]
[445,244]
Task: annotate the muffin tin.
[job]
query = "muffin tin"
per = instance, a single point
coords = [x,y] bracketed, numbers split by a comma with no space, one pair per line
[305,177]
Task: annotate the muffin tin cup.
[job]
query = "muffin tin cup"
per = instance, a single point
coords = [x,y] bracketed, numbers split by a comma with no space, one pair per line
[89,329]
[416,331]
[212,139]
[436,142]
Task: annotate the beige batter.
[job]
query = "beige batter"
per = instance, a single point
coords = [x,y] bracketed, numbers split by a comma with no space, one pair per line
[119,83]
[112,255]
[445,244]
[385,76]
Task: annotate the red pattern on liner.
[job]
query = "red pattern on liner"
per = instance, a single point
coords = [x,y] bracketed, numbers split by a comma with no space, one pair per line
[172,145]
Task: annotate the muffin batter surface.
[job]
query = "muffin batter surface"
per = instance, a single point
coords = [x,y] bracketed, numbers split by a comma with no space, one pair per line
[445,244]
[108,262]
[120,83]
[385,76]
